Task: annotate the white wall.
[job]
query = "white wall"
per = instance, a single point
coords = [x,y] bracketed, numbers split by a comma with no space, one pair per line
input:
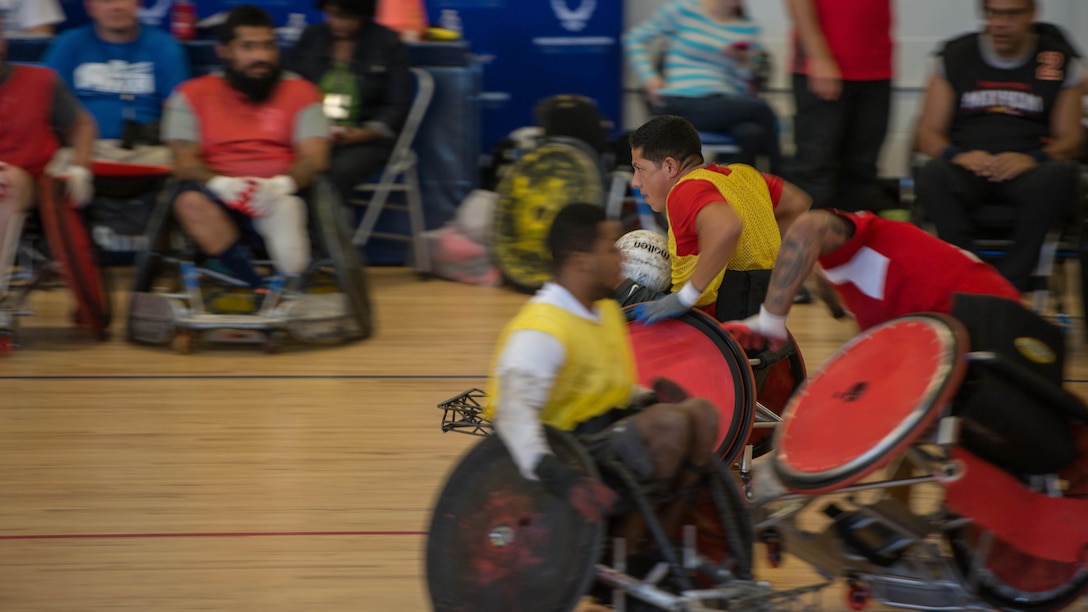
[920,26]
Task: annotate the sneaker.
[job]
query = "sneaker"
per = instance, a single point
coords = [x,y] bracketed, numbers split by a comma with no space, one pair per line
[213,268]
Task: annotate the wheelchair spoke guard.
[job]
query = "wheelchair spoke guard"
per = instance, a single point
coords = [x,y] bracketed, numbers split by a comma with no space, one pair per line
[872,398]
[498,542]
[540,184]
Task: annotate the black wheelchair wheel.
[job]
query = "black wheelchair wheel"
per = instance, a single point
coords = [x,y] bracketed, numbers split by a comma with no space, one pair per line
[335,244]
[498,542]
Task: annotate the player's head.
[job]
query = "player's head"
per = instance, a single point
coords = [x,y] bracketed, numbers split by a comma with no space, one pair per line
[662,150]
[119,17]
[346,17]
[1009,24]
[582,242]
[250,52]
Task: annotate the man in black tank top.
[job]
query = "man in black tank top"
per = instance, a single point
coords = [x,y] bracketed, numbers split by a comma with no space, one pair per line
[1001,120]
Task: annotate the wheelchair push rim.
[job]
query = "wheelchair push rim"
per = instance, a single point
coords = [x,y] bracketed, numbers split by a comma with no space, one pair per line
[872,398]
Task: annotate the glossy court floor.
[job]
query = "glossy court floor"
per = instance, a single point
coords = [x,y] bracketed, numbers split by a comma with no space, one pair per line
[134,478]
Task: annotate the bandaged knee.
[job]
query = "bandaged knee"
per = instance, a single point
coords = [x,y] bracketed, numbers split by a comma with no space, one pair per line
[284,229]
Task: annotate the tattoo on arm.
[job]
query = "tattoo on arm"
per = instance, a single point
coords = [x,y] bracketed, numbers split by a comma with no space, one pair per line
[795,260]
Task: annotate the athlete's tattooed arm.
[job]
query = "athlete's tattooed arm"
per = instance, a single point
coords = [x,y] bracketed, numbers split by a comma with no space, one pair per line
[813,234]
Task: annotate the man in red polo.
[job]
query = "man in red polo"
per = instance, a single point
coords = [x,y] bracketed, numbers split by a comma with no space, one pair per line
[245,142]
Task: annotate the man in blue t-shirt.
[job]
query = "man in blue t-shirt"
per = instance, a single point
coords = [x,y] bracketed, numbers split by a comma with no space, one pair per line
[122,73]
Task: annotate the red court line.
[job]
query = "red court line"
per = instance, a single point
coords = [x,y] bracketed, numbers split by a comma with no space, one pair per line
[269,534]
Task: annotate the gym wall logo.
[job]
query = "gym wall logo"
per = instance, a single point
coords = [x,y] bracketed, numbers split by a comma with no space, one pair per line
[574,20]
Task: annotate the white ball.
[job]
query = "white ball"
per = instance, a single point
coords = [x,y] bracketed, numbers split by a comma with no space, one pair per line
[646,259]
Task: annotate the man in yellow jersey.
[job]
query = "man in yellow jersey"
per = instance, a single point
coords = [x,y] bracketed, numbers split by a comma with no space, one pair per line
[725,222]
[566,361]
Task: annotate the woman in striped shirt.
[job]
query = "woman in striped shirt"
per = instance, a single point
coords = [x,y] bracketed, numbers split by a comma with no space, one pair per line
[706,72]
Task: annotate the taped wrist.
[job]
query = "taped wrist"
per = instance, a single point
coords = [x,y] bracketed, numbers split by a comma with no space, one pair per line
[771,324]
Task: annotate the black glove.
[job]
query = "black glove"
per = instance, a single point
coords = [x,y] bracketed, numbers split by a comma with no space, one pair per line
[590,497]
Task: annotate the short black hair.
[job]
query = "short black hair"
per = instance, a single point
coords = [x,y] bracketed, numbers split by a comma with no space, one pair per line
[667,136]
[241,16]
[575,229]
[363,9]
[982,4]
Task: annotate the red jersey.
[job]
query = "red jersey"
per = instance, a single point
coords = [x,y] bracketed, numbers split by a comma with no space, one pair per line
[689,197]
[859,35]
[890,269]
[240,138]
[27,137]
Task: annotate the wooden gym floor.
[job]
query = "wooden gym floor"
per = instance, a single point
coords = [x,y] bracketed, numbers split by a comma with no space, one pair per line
[133,478]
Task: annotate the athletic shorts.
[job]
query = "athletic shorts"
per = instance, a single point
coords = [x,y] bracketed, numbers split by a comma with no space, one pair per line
[613,436]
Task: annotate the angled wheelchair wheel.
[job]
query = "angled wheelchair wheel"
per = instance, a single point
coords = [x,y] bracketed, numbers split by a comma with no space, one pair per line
[149,319]
[1009,578]
[1012,580]
[539,185]
[775,385]
[336,245]
[72,247]
[723,525]
[865,406]
[149,263]
[694,351]
[498,542]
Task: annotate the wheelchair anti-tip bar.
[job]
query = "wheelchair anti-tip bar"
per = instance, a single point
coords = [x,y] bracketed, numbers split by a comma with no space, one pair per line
[462,414]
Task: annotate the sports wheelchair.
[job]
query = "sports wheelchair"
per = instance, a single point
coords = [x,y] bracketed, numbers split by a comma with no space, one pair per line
[51,246]
[177,301]
[986,506]
[499,542]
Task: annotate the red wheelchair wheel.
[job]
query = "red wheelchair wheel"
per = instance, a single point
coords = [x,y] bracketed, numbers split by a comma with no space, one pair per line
[71,246]
[872,399]
[694,351]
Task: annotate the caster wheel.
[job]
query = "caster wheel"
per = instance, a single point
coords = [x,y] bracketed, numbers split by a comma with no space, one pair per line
[857,596]
[774,555]
[273,342]
[184,342]
[773,550]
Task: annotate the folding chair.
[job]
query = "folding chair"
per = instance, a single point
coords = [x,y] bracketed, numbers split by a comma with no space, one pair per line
[401,175]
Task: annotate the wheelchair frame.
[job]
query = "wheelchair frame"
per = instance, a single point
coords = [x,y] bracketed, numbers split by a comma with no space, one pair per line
[180,318]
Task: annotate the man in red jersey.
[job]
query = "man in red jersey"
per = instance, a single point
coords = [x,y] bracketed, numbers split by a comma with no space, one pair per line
[842,75]
[245,143]
[882,269]
[36,107]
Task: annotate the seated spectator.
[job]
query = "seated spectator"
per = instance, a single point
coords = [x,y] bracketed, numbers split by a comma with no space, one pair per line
[36,106]
[362,70]
[122,73]
[707,75]
[30,17]
[246,142]
[1001,120]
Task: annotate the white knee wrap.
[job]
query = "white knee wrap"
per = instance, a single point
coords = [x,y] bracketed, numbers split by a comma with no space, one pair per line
[285,234]
[9,247]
